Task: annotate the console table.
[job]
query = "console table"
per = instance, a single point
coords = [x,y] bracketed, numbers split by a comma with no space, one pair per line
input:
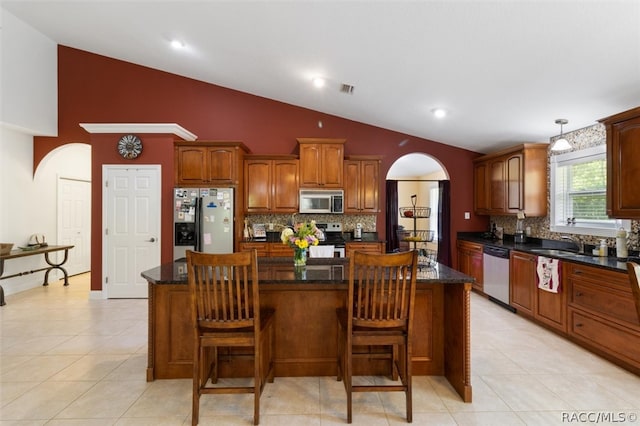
[14,254]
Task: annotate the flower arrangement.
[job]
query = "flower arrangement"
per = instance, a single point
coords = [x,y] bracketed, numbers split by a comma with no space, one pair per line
[301,236]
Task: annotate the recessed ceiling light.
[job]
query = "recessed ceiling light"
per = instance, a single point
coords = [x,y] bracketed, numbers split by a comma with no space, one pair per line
[439,112]
[318,82]
[177,44]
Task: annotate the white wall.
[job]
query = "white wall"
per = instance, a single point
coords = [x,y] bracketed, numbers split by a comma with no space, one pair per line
[29,203]
[28,78]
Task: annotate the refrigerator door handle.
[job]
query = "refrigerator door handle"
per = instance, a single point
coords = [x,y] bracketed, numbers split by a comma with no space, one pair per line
[198,225]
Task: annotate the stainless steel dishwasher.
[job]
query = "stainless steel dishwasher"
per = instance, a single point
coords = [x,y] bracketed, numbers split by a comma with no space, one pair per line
[495,263]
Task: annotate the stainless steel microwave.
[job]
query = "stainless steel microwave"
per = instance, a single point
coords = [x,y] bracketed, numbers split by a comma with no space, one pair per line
[321,201]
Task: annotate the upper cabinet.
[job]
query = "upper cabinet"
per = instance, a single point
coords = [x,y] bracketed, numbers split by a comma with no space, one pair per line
[623,164]
[512,181]
[361,184]
[321,162]
[210,163]
[271,184]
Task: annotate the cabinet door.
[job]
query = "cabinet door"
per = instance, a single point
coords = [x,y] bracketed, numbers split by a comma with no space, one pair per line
[332,161]
[310,166]
[285,186]
[369,171]
[222,165]
[470,262]
[321,165]
[497,187]
[351,186]
[481,188]
[551,308]
[522,282]
[191,165]
[624,168]
[257,185]
[514,183]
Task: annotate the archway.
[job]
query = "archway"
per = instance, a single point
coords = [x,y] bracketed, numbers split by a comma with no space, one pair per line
[417,207]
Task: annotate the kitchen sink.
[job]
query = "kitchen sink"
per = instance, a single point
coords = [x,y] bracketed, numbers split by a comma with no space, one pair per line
[555,252]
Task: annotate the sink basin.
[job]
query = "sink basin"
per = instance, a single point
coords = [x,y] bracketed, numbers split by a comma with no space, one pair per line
[554,252]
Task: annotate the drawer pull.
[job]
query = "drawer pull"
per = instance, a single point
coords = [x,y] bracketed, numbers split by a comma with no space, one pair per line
[578,272]
[579,293]
[578,325]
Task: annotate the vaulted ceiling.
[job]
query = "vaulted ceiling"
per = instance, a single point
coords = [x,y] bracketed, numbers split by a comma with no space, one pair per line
[503,70]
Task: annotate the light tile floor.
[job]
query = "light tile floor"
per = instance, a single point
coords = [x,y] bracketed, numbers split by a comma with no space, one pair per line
[68,360]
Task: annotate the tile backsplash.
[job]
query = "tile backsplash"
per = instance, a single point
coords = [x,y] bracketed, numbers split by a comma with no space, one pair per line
[348,221]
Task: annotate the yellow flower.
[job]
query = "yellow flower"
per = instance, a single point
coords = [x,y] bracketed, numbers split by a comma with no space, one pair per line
[302,244]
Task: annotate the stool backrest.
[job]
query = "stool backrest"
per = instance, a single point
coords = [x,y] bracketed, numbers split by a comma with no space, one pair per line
[224,289]
[382,289]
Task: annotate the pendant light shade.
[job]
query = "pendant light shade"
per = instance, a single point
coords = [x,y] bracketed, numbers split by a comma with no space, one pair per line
[561,144]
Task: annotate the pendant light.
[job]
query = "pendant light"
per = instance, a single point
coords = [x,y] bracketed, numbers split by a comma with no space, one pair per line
[561,144]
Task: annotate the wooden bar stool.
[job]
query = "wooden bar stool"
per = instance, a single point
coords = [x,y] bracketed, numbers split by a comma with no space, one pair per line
[226,313]
[379,312]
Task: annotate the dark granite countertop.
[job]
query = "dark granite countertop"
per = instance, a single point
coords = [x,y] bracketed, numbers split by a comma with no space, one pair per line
[280,270]
[533,244]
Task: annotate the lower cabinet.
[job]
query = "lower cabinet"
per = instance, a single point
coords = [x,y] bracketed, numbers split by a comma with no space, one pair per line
[522,282]
[470,262]
[350,247]
[266,249]
[545,307]
[602,314]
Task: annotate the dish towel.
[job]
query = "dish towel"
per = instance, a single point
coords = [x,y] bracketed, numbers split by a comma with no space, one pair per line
[548,274]
[321,251]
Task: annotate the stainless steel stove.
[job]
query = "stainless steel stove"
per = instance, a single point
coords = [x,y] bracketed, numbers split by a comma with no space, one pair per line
[333,237]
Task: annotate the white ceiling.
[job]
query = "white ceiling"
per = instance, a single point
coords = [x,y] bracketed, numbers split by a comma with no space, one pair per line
[505,70]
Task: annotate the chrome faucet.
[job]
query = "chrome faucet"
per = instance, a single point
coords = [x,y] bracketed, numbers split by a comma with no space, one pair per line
[577,240]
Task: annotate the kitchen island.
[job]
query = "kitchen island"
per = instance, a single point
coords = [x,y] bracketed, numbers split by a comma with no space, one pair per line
[305,301]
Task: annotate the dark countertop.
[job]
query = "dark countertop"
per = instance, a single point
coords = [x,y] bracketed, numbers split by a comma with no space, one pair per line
[607,262]
[280,270]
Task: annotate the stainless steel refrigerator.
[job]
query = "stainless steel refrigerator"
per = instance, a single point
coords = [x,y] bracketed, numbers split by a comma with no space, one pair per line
[203,220]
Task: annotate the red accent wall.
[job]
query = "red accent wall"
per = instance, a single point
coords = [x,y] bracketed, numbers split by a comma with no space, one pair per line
[97,89]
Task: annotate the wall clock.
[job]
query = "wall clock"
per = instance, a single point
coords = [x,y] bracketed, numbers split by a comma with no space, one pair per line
[129,146]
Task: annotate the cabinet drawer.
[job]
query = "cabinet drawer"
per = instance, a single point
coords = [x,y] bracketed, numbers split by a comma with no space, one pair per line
[623,343]
[599,276]
[261,248]
[615,304]
[280,250]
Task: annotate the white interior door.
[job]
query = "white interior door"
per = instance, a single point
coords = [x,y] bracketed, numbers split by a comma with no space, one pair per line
[74,223]
[131,205]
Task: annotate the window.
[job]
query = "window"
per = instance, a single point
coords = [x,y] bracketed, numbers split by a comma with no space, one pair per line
[578,194]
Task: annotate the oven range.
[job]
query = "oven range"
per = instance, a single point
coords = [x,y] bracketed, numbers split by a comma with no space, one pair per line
[333,236]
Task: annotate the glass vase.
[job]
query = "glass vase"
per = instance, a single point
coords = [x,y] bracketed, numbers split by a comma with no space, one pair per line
[299,256]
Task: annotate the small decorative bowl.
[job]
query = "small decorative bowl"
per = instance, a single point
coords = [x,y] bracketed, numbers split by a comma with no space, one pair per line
[5,248]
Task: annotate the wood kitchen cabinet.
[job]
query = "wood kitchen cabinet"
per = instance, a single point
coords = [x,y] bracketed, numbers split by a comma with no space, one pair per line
[368,247]
[602,315]
[623,164]
[544,307]
[511,181]
[271,184]
[522,282]
[267,249]
[208,163]
[361,182]
[321,162]
[470,262]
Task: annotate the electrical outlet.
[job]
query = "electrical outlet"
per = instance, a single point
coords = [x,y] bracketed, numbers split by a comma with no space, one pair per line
[271,227]
[467,215]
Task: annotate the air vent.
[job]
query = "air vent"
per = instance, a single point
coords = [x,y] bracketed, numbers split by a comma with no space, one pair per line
[346,88]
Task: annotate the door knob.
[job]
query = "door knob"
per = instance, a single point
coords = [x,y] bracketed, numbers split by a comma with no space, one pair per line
[152,240]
